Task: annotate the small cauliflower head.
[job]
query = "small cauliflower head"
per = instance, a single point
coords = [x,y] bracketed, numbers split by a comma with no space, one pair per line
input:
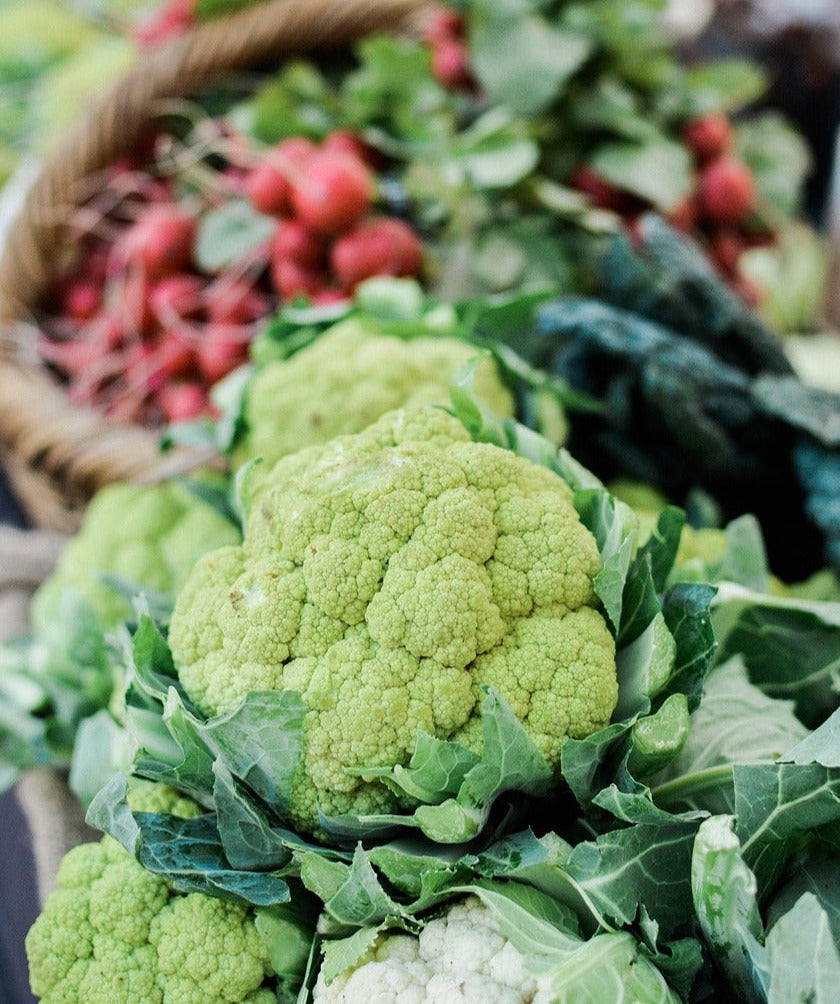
[461,956]
[113,933]
[359,375]
[150,536]
[388,577]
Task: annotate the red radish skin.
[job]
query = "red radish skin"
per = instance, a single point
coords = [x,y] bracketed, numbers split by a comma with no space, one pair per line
[176,296]
[601,193]
[294,242]
[443,24]
[727,191]
[708,136]
[685,214]
[725,248]
[172,19]
[451,64]
[176,353]
[235,301]
[220,349]
[268,186]
[81,299]
[324,297]
[335,191]
[292,280]
[182,400]
[296,151]
[161,241]
[267,190]
[346,141]
[380,247]
[132,303]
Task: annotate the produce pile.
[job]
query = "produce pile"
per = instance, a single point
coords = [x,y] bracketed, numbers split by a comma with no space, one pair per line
[417,706]
[501,151]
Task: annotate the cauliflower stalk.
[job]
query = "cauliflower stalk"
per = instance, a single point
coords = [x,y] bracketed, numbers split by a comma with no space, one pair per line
[112,932]
[388,577]
[360,375]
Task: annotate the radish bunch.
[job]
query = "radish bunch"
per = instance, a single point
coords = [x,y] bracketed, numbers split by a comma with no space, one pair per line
[328,238]
[720,211]
[140,331]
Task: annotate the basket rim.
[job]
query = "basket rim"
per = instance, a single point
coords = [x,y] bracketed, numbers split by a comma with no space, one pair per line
[58,454]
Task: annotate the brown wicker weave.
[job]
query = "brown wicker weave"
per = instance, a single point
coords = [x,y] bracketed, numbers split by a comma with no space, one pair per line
[57,455]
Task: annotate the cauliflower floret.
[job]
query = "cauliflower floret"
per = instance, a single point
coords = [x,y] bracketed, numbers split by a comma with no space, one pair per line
[462,957]
[359,375]
[388,577]
[149,536]
[114,933]
[459,958]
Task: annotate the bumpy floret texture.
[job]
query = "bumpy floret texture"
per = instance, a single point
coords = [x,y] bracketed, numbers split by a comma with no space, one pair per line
[149,536]
[114,933]
[460,957]
[387,577]
[359,376]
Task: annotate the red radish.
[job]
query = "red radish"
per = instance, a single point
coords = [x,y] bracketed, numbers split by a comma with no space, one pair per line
[176,353]
[725,248]
[95,263]
[267,189]
[329,295]
[684,215]
[235,301]
[708,136]
[443,24]
[133,304]
[268,186]
[601,192]
[381,247]
[149,367]
[182,400]
[633,229]
[172,19]
[220,349]
[111,333]
[293,241]
[81,299]
[334,192]
[176,296]
[727,191]
[291,279]
[161,241]
[296,150]
[347,141]
[451,64]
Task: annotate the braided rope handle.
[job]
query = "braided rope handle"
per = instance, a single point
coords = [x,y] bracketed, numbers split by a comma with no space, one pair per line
[57,455]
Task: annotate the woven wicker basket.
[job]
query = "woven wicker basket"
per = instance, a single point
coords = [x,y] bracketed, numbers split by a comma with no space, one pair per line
[57,455]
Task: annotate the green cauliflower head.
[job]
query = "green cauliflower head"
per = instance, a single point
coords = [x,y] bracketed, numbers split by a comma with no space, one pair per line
[114,933]
[359,376]
[387,577]
[150,536]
